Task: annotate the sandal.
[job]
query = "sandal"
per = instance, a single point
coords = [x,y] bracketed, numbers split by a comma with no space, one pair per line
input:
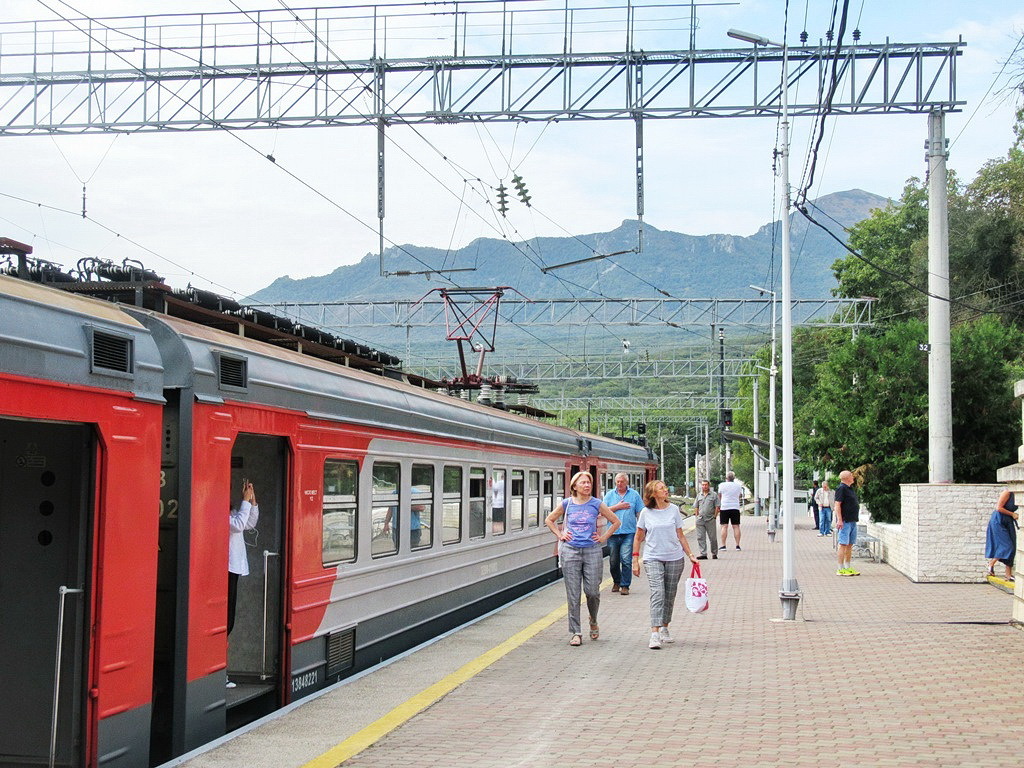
[594,631]
[991,570]
[576,641]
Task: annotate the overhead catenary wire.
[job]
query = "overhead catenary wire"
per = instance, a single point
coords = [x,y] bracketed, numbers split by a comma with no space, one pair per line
[523,248]
[588,289]
[256,150]
[826,110]
[894,275]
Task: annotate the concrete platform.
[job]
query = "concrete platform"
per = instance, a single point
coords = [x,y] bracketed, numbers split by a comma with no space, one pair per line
[876,671]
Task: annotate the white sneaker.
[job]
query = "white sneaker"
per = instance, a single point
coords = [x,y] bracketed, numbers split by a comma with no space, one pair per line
[229,684]
[664,636]
[655,643]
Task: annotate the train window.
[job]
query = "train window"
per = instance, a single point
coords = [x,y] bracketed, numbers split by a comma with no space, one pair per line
[533,500]
[516,501]
[549,492]
[477,497]
[560,484]
[341,481]
[498,498]
[384,515]
[421,510]
[451,517]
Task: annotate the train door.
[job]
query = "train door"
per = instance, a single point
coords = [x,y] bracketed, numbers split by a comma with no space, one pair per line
[255,642]
[45,472]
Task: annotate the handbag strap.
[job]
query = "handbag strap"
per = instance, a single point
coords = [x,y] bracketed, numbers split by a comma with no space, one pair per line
[695,571]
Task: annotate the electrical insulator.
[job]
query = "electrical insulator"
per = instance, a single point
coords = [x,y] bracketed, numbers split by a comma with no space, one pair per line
[502,199]
[521,189]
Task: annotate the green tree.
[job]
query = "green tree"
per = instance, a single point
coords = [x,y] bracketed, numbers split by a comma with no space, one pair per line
[891,242]
[866,406]
[868,410]
[985,363]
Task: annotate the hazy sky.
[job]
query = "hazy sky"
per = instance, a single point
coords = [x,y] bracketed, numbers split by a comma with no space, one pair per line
[208,210]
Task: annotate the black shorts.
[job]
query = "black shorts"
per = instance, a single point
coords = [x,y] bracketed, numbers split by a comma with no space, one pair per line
[726,516]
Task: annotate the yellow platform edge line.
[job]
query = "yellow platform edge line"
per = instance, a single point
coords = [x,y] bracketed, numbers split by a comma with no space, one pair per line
[408,709]
[999,581]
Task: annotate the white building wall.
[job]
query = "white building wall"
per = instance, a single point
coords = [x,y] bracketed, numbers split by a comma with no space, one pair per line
[941,536]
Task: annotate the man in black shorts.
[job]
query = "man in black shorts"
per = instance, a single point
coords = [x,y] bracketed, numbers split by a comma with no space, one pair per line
[730,497]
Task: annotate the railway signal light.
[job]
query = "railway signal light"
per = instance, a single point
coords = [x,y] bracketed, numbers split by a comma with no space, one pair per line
[727,417]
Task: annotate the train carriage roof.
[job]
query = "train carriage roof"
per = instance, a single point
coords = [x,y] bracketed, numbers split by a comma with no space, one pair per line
[195,357]
[57,336]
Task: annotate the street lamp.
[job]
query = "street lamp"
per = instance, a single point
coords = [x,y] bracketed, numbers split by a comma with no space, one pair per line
[773,517]
[790,590]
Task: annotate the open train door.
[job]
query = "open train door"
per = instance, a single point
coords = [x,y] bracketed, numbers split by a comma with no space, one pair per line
[256,644]
[45,541]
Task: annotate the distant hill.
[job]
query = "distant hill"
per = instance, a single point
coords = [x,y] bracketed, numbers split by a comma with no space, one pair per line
[685,266]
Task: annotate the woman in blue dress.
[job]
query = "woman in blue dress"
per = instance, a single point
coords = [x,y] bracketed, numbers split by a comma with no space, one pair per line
[1001,536]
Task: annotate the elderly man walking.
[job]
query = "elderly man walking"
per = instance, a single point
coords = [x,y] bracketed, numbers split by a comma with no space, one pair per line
[627,504]
[705,508]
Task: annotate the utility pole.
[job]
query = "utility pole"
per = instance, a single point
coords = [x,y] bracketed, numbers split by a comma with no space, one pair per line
[940,399]
[721,400]
[757,461]
[686,468]
[707,453]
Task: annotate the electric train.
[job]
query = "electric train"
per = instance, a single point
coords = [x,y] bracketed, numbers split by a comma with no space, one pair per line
[126,433]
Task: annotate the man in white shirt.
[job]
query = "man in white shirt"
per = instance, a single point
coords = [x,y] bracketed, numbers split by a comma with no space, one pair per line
[730,499]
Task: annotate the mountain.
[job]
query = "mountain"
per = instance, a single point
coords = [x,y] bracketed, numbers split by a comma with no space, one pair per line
[684,266]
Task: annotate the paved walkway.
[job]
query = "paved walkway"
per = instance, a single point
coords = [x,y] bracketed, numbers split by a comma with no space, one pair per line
[877,671]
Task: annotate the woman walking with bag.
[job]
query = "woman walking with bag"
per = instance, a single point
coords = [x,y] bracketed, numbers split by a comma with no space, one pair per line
[660,526]
[580,550]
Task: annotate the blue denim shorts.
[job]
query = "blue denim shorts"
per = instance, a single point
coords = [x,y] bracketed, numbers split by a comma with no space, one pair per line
[848,534]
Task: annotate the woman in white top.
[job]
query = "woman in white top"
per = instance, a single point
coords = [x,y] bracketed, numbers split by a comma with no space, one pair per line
[660,526]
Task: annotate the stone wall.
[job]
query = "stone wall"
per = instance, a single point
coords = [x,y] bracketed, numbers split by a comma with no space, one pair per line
[941,535]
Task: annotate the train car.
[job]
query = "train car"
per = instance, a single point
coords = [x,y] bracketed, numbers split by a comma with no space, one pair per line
[377,526]
[80,434]
[378,523]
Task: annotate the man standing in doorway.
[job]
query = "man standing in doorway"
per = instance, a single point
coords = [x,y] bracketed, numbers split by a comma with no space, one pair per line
[847,510]
[705,507]
[240,519]
[627,504]
[730,498]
